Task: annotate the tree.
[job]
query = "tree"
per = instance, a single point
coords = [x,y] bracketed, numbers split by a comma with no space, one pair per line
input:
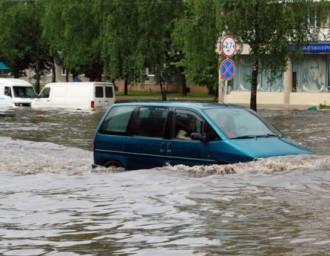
[21,42]
[195,36]
[137,35]
[72,31]
[119,38]
[156,23]
[268,27]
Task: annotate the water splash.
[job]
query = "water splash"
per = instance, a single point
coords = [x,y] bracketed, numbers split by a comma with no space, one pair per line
[261,166]
[27,157]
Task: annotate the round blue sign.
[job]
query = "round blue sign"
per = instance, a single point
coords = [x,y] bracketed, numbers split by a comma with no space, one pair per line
[227,69]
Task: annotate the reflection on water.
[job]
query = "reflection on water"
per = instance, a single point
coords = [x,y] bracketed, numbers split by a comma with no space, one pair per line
[65,128]
[53,203]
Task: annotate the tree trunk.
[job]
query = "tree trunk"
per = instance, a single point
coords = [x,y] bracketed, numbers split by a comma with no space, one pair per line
[66,75]
[162,91]
[16,73]
[53,71]
[37,81]
[255,67]
[126,86]
[184,85]
[37,85]
[254,85]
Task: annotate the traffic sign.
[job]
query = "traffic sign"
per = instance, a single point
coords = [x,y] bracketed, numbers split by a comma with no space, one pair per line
[227,69]
[228,46]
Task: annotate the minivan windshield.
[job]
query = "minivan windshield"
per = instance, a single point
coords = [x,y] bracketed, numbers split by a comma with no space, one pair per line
[238,123]
[24,92]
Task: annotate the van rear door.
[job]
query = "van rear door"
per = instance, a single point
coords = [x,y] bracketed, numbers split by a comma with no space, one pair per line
[99,95]
[109,95]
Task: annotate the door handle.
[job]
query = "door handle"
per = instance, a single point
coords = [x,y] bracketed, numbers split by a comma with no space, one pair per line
[162,148]
[169,147]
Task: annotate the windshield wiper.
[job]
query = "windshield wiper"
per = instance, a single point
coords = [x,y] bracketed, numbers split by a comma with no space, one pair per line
[256,136]
[245,137]
[267,135]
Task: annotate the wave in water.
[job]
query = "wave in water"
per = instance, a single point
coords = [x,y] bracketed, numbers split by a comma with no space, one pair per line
[27,157]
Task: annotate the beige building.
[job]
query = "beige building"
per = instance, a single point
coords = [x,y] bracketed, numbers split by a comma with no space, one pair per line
[305,82]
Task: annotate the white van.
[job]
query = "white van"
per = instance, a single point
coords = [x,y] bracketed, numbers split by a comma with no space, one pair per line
[76,95]
[15,93]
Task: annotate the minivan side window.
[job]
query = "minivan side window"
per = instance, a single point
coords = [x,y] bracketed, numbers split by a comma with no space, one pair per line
[45,93]
[186,123]
[108,92]
[117,120]
[150,121]
[7,91]
[99,91]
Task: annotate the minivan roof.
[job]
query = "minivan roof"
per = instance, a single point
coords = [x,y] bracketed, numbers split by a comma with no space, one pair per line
[191,105]
[14,81]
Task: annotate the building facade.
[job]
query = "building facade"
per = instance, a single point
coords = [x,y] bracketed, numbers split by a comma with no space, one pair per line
[306,81]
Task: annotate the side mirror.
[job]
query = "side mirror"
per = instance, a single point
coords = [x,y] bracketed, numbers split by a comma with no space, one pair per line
[198,136]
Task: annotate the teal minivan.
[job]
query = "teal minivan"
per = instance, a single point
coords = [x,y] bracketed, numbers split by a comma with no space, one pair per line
[144,135]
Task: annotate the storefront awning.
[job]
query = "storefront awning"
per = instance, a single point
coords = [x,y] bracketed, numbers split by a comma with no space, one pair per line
[313,48]
[3,66]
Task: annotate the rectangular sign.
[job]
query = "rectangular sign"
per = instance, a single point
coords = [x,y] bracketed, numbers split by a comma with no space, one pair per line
[314,48]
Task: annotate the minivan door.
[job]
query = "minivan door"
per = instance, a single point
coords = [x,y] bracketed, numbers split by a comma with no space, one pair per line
[181,148]
[145,148]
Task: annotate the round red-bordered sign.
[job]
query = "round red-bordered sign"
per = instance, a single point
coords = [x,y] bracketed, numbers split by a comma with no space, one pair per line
[228,46]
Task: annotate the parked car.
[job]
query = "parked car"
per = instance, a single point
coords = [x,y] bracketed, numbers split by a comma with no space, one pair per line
[76,95]
[146,135]
[15,93]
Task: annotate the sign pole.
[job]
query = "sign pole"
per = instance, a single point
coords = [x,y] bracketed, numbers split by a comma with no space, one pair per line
[227,70]
[221,89]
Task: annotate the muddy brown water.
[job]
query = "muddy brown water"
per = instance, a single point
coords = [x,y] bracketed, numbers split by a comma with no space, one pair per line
[53,203]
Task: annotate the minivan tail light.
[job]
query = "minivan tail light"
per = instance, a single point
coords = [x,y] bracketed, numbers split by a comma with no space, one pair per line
[93,104]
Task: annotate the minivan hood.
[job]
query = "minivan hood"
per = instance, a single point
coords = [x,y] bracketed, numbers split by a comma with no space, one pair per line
[268,147]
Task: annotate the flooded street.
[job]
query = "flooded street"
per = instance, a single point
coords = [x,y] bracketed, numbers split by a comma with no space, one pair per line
[53,203]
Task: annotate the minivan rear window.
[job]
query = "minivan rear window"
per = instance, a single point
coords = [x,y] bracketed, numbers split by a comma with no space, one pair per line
[150,121]
[117,120]
[108,92]
[99,91]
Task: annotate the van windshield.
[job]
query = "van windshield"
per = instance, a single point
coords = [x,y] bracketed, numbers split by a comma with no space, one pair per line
[240,123]
[24,92]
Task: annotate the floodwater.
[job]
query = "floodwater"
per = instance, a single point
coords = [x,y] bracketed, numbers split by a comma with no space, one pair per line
[53,203]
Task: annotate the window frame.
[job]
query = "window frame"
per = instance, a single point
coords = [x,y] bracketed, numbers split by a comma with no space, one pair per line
[204,122]
[95,92]
[111,90]
[135,122]
[10,94]
[129,123]
[42,91]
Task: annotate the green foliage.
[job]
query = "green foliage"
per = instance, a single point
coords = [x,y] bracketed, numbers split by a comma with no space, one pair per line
[268,27]
[120,34]
[195,35]
[72,30]
[21,44]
